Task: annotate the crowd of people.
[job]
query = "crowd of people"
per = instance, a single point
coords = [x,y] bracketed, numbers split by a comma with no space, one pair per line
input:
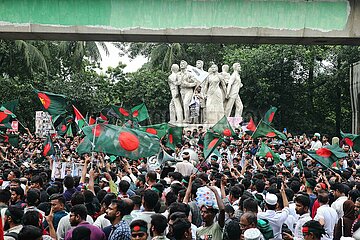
[234,194]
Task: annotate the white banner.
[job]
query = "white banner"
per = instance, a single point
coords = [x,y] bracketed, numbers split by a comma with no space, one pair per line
[43,125]
[199,74]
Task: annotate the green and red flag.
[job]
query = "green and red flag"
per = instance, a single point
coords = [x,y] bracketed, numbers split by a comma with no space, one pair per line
[266,152]
[174,137]
[48,147]
[63,128]
[265,130]
[120,141]
[53,103]
[92,120]
[251,127]
[12,139]
[327,155]
[140,112]
[6,115]
[85,146]
[79,119]
[352,140]
[223,127]
[157,129]
[121,112]
[269,115]
[11,105]
[211,141]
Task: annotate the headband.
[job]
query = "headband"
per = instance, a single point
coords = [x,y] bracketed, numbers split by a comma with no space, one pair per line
[138,228]
[155,189]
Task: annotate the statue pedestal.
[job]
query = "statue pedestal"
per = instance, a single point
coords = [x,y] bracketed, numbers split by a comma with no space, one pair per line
[234,122]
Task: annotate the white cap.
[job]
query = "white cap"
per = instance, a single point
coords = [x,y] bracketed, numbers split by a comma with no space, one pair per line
[252,234]
[317,135]
[271,199]
[104,180]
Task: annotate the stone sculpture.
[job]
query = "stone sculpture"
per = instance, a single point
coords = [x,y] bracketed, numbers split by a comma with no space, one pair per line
[176,110]
[232,92]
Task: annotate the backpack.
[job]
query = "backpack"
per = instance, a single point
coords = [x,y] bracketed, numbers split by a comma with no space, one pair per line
[265,229]
[12,234]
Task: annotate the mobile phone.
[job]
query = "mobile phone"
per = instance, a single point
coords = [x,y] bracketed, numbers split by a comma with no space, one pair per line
[278,183]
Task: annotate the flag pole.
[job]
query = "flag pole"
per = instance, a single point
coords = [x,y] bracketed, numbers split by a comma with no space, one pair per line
[93,144]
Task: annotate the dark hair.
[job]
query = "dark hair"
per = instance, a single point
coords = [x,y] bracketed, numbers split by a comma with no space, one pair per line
[37,179]
[124,206]
[30,232]
[176,175]
[179,227]
[69,182]
[33,197]
[18,191]
[31,218]
[246,182]
[323,197]
[81,233]
[179,207]
[250,205]
[235,191]
[150,198]
[140,223]
[58,197]
[316,228]
[108,199]
[170,198]
[303,200]
[232,229]
[16,213]
[250,217]
[101,194]
[124,186]
[80,210]
[339,187]
[151,175]
[5,195]
[159,222]
[136,200]
[259,185]
[295,186]
[77,198]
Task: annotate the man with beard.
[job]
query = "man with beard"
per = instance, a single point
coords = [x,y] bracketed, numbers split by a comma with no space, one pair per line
[78,216]
[12,226]
[120,230]
[17,195]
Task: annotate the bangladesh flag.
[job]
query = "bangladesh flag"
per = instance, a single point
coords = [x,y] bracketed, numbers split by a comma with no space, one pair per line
[269,115]
[63,128]
[48,147]
[223,128]
[53,103]
[11,105]
[352,140]
[85,146]
[6,115]
[265,130]
[266,152]
[327,155]
[211,141]
[12,139]
[79,119]
[156,129]
[174,137]
[121,112]
[120,141]
[251,127]
[140,112]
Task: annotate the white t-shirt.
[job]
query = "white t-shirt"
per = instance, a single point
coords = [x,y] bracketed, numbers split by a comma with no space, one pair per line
[102,222]
[329,216]
[338,206]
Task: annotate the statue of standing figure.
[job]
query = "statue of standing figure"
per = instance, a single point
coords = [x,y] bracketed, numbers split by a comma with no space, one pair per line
[214,95]
[176,111]
[187,85]
[232,92]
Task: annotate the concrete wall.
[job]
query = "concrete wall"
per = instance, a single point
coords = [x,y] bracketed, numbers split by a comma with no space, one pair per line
[254,21]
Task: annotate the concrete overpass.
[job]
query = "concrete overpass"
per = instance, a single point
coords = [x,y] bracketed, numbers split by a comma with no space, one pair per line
[225,21]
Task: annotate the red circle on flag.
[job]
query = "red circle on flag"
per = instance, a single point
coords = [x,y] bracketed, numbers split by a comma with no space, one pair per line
[151,131]
[45,100]
[323,152]
[46,149]
[227,132]
[271,117]
[135,113]
[171,140]
[96,131]
[349,142]
[3,116]
[271,134]
[128,141]
[212,143]
[268,155]
[124,112]
[63,128]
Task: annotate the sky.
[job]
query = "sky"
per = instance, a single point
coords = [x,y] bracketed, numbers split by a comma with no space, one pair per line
[113,59]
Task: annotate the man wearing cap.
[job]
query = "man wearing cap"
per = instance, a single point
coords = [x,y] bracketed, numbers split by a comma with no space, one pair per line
[276,219]
[316,143]
[185,167]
